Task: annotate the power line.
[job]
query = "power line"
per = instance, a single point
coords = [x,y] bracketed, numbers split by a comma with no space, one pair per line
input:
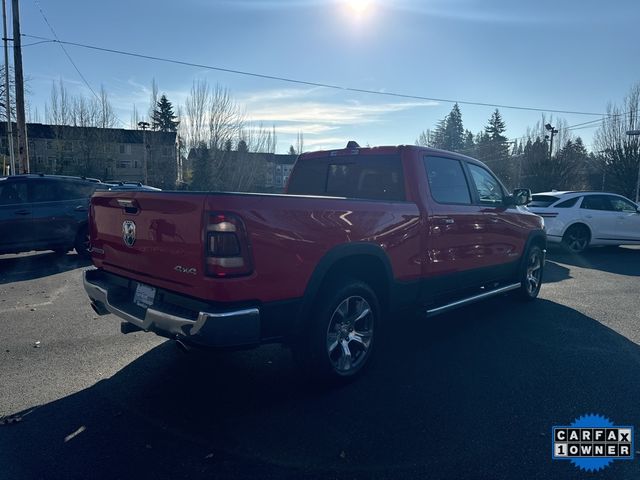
[57,40]
[309,83]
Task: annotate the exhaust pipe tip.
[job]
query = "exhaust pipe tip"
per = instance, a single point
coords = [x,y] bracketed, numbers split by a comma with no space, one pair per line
[99,308]
[126,327]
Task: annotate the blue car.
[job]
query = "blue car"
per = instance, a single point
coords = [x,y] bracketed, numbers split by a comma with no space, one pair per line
[45,212]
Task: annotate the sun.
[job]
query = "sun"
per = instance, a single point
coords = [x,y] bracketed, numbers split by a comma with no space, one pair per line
[359,7]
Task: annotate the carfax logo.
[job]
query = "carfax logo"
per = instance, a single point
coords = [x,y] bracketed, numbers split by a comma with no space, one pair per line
[592,442]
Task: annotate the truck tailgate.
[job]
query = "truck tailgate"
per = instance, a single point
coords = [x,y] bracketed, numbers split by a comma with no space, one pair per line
[153,234]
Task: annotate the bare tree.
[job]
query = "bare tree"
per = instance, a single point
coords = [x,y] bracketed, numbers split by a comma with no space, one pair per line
[193,127]
[135,118]
[153,100]
[300,143]
[619,152]
[226,120]
[3,106]
[107,117]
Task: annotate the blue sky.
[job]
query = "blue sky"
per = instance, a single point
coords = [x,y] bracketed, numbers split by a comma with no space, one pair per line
[571,55]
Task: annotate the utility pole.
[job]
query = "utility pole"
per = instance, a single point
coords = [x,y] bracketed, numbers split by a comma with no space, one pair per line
[23,150]
[143,126]
[7,89]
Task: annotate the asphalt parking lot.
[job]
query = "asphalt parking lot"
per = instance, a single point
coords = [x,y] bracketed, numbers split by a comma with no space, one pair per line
[469,394]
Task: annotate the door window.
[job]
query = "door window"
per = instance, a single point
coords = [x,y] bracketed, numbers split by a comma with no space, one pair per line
[489,189]
[567,203]
[447,181]
[619,204]
[13,193]
[596,202]
[44,191]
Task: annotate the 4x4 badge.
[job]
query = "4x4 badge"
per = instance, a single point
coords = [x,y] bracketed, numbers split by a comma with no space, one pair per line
[128,233]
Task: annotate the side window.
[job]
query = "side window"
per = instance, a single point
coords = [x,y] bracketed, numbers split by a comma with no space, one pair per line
[447,181]
[567,203]
[44,191]
[622,205]
[13,193]
[75,190]
[489,189]
[596,202]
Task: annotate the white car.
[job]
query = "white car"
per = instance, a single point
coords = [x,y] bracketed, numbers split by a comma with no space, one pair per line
[579,220]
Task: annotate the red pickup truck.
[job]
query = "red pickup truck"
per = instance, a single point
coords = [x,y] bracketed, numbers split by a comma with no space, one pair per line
[359,233]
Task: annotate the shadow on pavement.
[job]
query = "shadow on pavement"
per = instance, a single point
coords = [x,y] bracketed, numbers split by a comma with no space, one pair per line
[16,268]
[618,260]
[471,394]
[554,272]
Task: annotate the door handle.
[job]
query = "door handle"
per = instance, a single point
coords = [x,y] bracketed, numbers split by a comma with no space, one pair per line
[80,208]
[22,212]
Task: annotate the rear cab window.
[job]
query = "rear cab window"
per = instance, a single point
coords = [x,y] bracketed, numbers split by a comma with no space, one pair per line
[364,176]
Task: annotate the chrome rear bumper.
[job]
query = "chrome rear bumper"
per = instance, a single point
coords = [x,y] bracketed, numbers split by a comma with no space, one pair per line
[229,328]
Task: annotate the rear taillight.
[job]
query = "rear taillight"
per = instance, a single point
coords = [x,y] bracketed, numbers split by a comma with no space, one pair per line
[227,246]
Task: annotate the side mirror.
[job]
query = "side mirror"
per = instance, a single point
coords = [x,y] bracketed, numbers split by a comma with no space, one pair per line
[520,196]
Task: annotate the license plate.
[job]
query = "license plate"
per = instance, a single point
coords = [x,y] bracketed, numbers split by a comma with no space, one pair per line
[144,296]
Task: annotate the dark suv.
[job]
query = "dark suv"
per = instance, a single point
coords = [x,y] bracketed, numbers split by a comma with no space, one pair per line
[45,212]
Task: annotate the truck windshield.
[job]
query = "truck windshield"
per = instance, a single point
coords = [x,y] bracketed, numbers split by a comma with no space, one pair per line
[373,177]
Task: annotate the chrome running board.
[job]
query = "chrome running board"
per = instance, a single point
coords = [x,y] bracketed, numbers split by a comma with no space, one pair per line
[469,300]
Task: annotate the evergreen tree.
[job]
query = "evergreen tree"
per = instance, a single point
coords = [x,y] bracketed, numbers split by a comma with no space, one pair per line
[242,147]
[496,152]
[199,157]
[469,142]
[453,130]
[292,150]
[163,118]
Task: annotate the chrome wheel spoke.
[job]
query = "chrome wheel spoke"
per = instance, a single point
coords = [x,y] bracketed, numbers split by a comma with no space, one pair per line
[349,334]
[361,338]
[344,362]
[332,342]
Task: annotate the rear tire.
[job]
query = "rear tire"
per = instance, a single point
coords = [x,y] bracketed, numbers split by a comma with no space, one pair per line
[338,342]
[82,242]
[531,274]
[576,239]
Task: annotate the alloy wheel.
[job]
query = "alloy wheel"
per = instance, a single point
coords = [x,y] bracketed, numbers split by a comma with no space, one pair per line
[350,334]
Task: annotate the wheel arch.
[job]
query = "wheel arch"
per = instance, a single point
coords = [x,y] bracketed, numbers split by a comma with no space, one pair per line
[359,260]
[536,237]
[581,224]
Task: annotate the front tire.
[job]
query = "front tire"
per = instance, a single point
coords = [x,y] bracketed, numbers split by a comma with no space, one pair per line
[531,274]
[576,239]
[339,341]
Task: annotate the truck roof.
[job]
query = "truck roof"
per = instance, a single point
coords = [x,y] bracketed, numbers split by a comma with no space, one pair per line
[353,148]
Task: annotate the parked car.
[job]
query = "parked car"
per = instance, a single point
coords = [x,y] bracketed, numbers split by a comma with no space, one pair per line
[45,212]
[360,233]
[579,220]
[116,185]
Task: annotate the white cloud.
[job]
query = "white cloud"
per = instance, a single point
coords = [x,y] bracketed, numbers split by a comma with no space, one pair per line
[295,106]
